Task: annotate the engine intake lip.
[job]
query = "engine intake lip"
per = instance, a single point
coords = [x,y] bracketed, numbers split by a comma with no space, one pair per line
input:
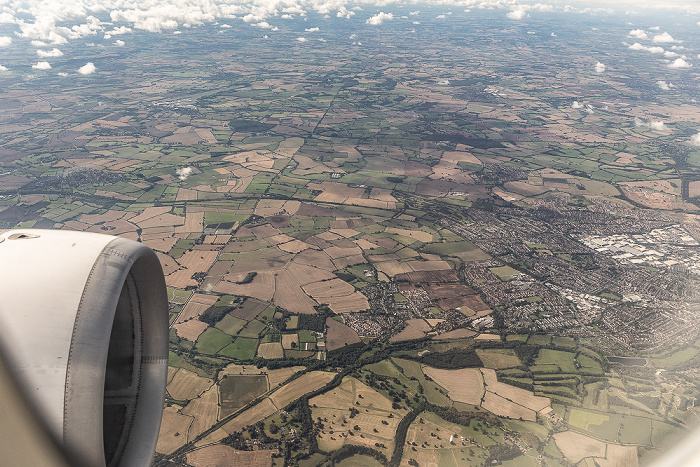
[125,285]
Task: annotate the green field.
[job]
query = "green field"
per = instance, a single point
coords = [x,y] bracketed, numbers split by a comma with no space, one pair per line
[635,430]
[241,348]
[604,426]
[253,329]
[212,340]
[231,325]
[292,322]
[505,273]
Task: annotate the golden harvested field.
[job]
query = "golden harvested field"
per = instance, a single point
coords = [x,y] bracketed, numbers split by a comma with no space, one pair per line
[375,413]
[418,235]
[280,375]
[194,222]
[324,290]
[315,258]
[415,329]
[204,409]
[429,265]
[167,263]
[220,455]
[191,329]
[288,293]
[290,341]
[619,456]
[505,408]
[498,358]
[342,263]
[261,287]
[259,411]
[180,279]
[576,446]
[339,335]
[465,385]
[392,268]
[336,252]
[304,384]
[173,430]
[338,294]
[197,305]
[456,334]
[294,246]
[171,373]
[187,385]
[198,260]
[520,396]
[270,350]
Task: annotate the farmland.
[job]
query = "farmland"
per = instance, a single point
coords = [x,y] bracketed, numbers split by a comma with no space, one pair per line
[385,226]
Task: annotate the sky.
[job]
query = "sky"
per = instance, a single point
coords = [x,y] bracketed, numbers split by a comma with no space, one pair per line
[53,23]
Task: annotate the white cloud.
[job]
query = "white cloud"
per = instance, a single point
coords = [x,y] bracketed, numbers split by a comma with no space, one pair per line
[119,43]
[638,33]
[517,14]
[311,29]
[440,17]
[42,66]
[87,69]
[664,86]
[3,68]
[599,67]
[5,41]
[655,28]
[49,53]
[576,105]
[553,35]
[121,30]
[39,43]
[184,173]
[225,26]
[695,139]
[654,49]
[679,63]
[264,25]
[379,18]
[664,38]
[669,54]
[656,125]
[301,39]
[414,13]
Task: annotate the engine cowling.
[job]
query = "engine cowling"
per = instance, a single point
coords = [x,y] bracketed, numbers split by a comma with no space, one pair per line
[83,326]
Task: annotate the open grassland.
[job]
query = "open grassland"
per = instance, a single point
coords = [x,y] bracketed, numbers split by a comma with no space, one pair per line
[374,422]
[241,349]
[605,426]
[212,340]
[186,385]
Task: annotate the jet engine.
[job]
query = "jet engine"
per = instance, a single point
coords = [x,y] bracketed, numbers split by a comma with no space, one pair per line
[84,334]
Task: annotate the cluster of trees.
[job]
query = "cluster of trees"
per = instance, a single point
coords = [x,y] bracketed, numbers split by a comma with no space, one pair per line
[452,359]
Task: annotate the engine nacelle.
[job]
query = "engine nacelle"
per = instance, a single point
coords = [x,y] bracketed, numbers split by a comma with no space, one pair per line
[84,327]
